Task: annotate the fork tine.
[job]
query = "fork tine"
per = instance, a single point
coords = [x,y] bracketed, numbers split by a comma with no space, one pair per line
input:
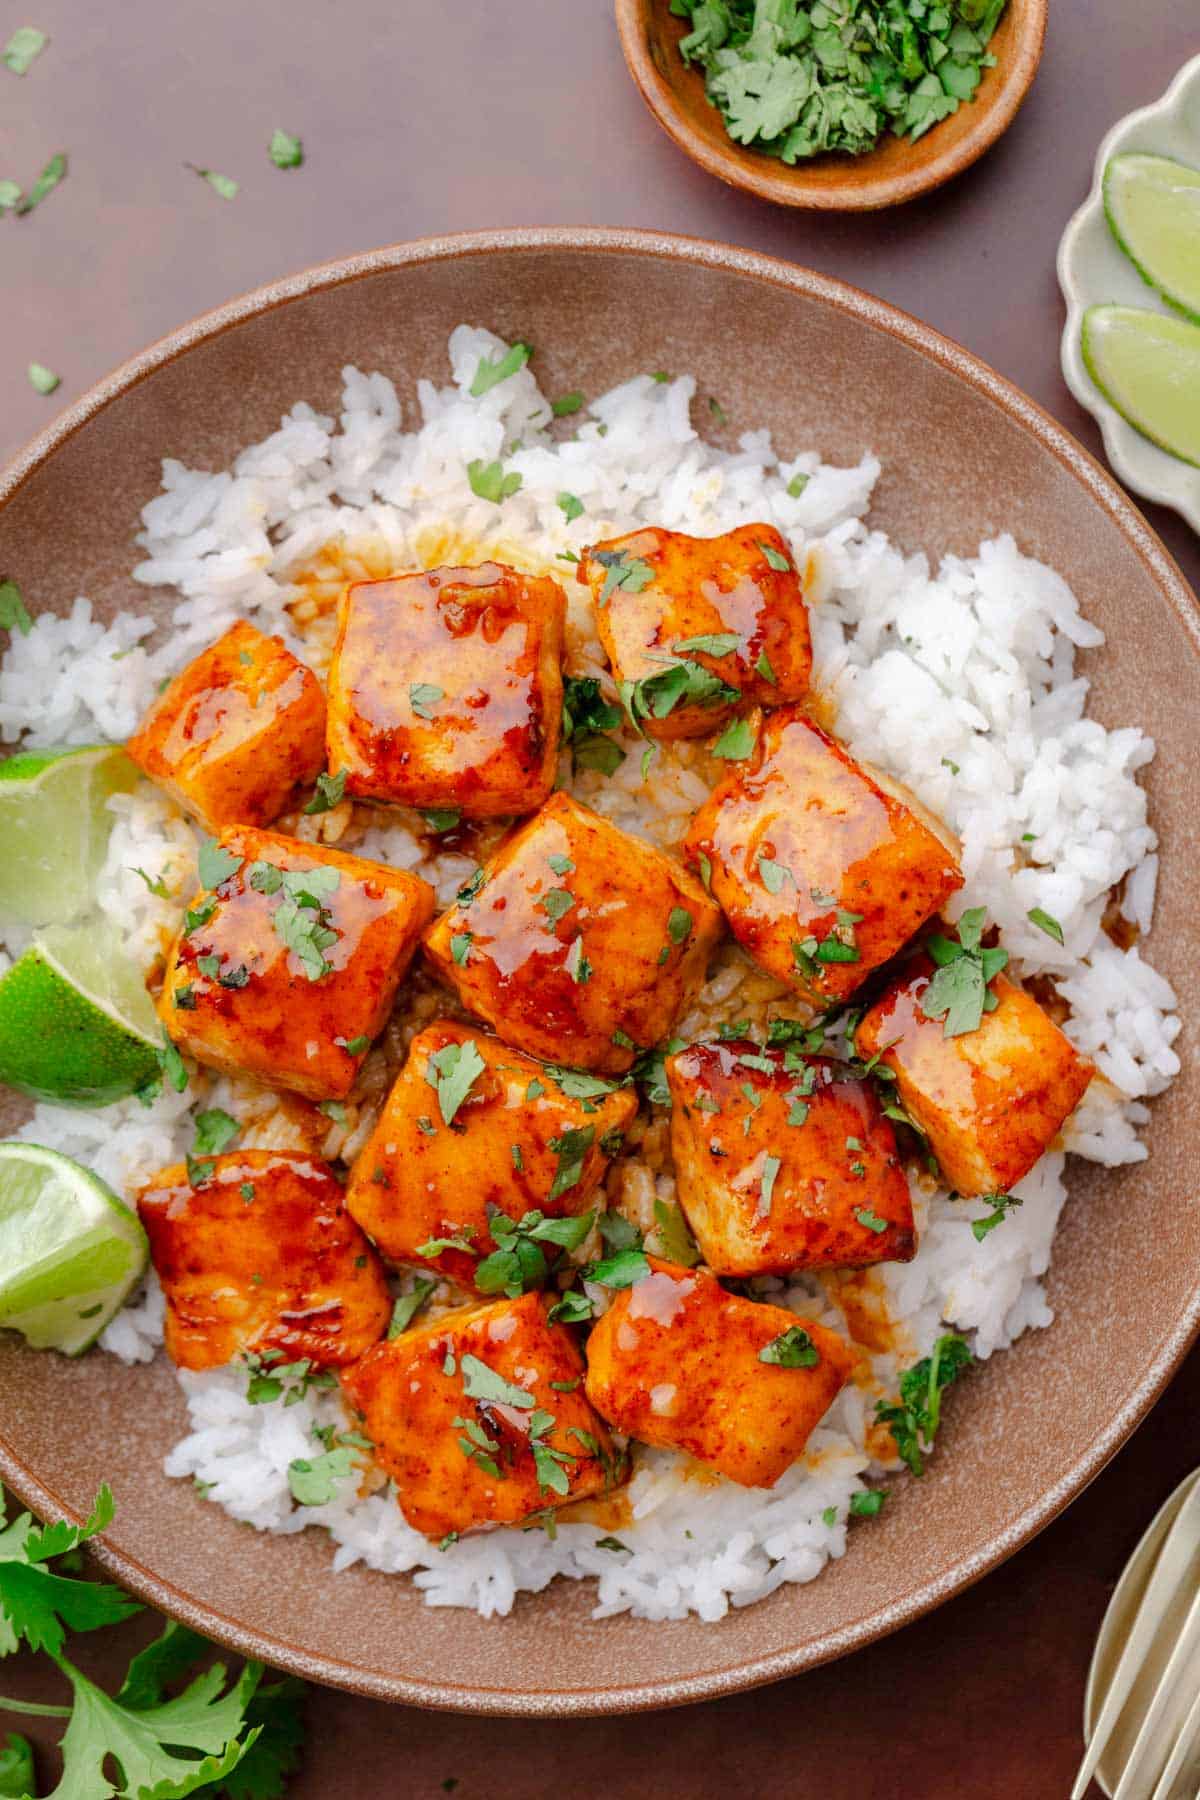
[1178,1549]
[1185,1743]
[1141,1768]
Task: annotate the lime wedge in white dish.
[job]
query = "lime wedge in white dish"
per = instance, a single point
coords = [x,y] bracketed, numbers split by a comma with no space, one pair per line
[76,1022]
[1152,204]
[1148,366]
[70,1251]
[54,828]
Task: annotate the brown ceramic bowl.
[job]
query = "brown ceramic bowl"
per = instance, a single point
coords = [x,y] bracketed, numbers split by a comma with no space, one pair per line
[896,170]
[965,456]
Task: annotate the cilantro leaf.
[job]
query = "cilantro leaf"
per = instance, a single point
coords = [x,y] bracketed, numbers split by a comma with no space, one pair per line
[13,613]
[958,991]
[716,643]
[42,379]
[214,864]
[736,742]
[1045,922]
[452,1072]
[629,573]
[490,482]
[914,1419]
[587,719]
[1001,1205]
[620,1270]
[23,49]
[54,172]
[490,372]
[285,151]
[792,1349]
[570,506]
[423,697]
[330,789]
[571,1148]
[655,696]
[16,1767]
[224,185]
[314,1480]
[673,1241]
[566,404]
[483,1383]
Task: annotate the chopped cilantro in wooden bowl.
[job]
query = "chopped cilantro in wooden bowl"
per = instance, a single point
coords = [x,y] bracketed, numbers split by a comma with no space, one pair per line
[837,105]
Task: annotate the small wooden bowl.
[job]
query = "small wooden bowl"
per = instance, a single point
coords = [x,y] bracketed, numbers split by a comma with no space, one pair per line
[896,170]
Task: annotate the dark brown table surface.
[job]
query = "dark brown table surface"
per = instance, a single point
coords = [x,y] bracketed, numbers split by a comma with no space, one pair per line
[427,116]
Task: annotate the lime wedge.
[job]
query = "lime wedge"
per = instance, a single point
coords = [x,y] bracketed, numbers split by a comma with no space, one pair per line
[76,1022]
[1148,367]
[1153,209]
[70,1251]
[54,828]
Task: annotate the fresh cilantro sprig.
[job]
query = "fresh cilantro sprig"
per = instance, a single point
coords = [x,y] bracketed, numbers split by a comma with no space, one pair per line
[519,1262]
[914,1421]
[679,683]
[212,1738]
[959,992]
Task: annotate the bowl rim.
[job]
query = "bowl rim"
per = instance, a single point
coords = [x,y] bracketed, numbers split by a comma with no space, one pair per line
[159,1592]
[773,180]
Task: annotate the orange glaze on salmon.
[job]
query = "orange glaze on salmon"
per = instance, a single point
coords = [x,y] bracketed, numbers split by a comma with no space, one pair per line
[445,689]
[238,994]
[578,943]
[743,585]
[676,1361]
[239,734]
[823,868]
[782,1164]
[261,1255]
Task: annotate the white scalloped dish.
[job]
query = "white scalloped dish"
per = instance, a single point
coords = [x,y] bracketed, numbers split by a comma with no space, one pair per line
[1092,269]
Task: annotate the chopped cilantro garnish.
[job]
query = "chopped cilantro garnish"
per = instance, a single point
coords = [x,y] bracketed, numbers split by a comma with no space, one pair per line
[914,1421]
[13,613]
[314,1480]
[773,874]
[518,1262]
[451,1073]
[959,992]
[23,48]
[330,789]
[483,1383]
[1001,1205]
[570,505]
[43,379]
[158,887]
[867,1503]
[673,1240]
[285,151]
[571,1148]
[620,1270]
[792,1349]
[679,924]
[1045,922]
[460,946]
[736,742]
[774,557]
[423,696]
[655,696]
[409,1305]
[629,573]
[763,667]
[216,865]
[566,404]
[586,721]
[869,1220]
[766,1187]
[441,818]
[717,643]
[797,484]
[490,482]
[54,172]
[224,185]
[490,371]
[556,902]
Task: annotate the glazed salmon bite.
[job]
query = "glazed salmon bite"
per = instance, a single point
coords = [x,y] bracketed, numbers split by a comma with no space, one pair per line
[680,1362]
[577,943]
[289,960]
[480,1417]
[784,1161]
[256,1252]
[445,689]
[518,1142]
[823,867]
[731,608]
[239,734]
[990,1100]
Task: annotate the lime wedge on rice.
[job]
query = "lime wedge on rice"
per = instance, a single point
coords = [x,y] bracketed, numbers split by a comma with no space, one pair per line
[76,1022]
[70,1251]
[1148,366]
[1153,208]
[54,827]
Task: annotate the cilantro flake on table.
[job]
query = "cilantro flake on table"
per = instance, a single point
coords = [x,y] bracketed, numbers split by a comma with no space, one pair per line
[42,379]
[23,49]
[285,151]
[54,172]
[224,185]
[800,78]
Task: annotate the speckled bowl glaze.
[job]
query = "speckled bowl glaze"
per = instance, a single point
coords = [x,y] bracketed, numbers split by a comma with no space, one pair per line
[894,171]
[965,456]
[1092,269]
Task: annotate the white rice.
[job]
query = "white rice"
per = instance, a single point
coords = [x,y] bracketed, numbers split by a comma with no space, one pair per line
[959,681]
